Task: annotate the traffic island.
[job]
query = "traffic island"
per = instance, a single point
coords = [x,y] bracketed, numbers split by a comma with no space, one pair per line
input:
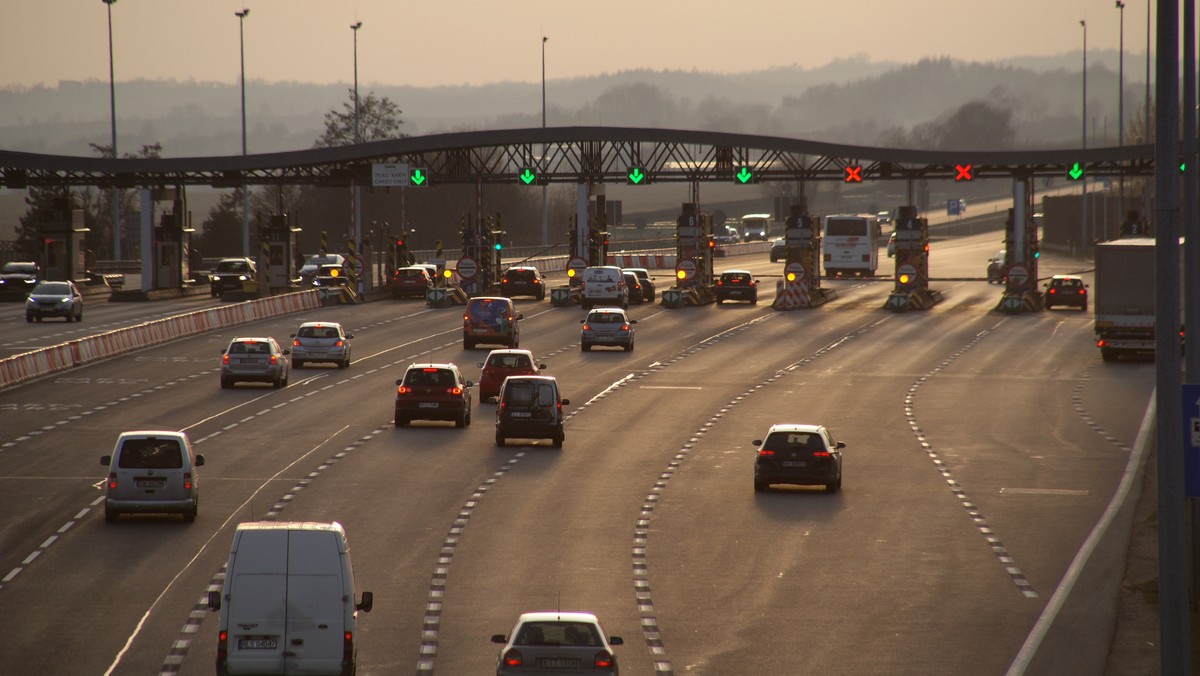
[1016,302]
[916,299]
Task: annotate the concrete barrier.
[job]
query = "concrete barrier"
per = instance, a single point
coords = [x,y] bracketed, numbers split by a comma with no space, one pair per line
[24,367]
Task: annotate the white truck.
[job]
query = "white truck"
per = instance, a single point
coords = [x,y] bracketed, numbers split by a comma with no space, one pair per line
[1124,297]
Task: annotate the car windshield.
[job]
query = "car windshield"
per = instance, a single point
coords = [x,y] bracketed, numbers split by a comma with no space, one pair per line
[558,634]
[1069,283]
[232,266]
[23,268]
[411,272]
[53,288]
[520,275]
[427,376]
[792,441]
[736,278]
[606,318]
[151,454]
[524,394]
[508,361]
[250,348]
[317,332]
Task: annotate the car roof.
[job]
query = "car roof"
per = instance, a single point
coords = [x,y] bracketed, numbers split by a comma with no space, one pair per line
[535,378]
[153,433]
[794,427]
[557,615]
[609,310]
[510,350]
[319,324]
[522,267]
[246,339]
[433,365]
[737,272]
[1072,277]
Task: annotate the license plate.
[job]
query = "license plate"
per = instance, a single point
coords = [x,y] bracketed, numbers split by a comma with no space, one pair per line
[557,663]
[150,483]
[795,463]
[257,644]
[427,404]
[605,339]
[479,330]
[521,414]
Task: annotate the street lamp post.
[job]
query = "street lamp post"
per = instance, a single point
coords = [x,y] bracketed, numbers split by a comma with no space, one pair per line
[357,190]
[354,27]
[1084,206]
[112,104]
[545,228]
[245,189]
[1121,107]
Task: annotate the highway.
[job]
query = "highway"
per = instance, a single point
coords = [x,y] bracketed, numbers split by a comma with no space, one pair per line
[981,451]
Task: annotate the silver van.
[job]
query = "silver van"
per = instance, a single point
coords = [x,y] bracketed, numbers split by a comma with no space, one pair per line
[287,604]
[152,471]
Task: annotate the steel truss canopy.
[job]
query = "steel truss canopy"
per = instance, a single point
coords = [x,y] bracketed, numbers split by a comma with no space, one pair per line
[577,155]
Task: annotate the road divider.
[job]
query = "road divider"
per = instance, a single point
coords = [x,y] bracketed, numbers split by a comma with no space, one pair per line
[30,365]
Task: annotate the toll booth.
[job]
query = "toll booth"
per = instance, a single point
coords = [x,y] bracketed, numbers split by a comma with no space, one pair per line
[801,283]
[694,246]
[172,243]
[1021,292]
[63,255]
[911,291]
[279,243]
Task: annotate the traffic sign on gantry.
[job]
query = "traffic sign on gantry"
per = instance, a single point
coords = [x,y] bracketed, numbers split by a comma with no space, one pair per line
[744,175]
[636,176]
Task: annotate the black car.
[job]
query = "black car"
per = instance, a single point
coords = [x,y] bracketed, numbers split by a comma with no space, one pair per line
[778,250]
[230,273]
[17,279]
[646,282]
[331,274]
[1066,290]
[737,285]
[530,407]
[433,392]
[523,280]
[802,455]
[636,295]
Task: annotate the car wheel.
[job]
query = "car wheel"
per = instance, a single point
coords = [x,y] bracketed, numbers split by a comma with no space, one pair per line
[29,318]
[298,363]
[1083,307]
[190,515]
[278,383]
[833,486]
[1049,305]
[760,486]
[79,317]
[585,347]
[500,439]
[344,363]
[468,344]
[754,301]
[468,413]
[461,421]
[558,440]
[483,397]
[39,318]
[110,515]
[402,422]
[718,300]
[226,383]
[629,347]
[284,382]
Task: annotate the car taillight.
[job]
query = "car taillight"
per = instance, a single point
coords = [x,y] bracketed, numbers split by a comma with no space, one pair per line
[1082,291]
[1050,291]
[720,283]
[1100,343]
[403,389]
[348,648]
[456,391]
[624,327]
[296,343]
[766,453]
[512,658]
[337,343]
[187,481]
[225,359]
[587,327]
[112,481]
[509,318]
[820,454]
[537,281]
[274,360]
[603,660]
[222,646]
[504,280]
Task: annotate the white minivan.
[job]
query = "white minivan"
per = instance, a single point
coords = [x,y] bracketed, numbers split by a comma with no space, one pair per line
[603,285]
[287,605]
[152,471]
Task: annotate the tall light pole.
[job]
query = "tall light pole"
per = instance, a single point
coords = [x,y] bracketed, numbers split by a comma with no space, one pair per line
[354,27]
[1083,209]
[245,189]
[1121,107]
[545,229]
[112,105]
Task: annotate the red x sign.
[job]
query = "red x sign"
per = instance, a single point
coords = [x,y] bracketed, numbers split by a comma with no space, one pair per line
[854,174]
[964,172]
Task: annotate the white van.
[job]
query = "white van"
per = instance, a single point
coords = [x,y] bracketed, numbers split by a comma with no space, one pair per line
[152,471]
[603,285]
[850,244]
[287,605]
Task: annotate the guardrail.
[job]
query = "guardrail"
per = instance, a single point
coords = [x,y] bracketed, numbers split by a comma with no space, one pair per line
[30,365]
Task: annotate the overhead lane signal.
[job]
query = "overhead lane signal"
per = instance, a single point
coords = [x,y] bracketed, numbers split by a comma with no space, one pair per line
[418,177]
[963,172]
[636,176]
[854,173]
[528,176]
[745,175]
[1075,172]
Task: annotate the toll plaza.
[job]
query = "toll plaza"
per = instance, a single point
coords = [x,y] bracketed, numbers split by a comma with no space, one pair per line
[1021,291]
[63,255]
[694,246]
[911,290]
[801,283]
[277,264]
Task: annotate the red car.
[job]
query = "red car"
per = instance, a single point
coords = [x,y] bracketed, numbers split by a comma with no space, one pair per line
[501,364]
[411,282]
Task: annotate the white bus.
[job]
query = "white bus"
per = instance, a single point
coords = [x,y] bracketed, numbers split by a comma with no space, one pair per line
[850,244]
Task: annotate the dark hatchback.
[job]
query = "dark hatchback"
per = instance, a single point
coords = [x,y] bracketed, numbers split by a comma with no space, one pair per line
[803,455]
[17,279]
[433,392]
[1066,290]
[737,285]
[523,281]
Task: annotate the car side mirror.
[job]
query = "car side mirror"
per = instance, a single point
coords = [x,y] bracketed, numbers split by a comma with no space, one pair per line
[400,382]
[470,384]
[633,321]
[349,336]
[199,460]
[541,366]
[499,638]
[286,351]
[291,335]
[214,600]
[368,602]
[756,443]
[840,444]
[106,460]
[581,321]
[479,365]
[616,640]
[566,402]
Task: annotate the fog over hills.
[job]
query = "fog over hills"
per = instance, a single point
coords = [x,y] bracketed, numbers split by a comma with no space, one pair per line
[849,100]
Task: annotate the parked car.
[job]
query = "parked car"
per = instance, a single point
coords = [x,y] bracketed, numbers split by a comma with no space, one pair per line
[608,326]
[798,454]
[737,285]
[557,642]
[308,271]
[491,320]
[646,282]
[230,273]
[321,342]
[411,282]
[501,364]
[54,299]
[1066,290]
[433,392]
[524,280]
[778,249]
[152,471]
[17,278]
[530,407]
[255,359]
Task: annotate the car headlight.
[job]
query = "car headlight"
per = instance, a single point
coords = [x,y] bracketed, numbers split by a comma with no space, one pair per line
[242,278]
[64,300]
[29,302]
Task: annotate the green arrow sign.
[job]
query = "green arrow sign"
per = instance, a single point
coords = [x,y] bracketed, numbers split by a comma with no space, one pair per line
[744,175]
[1075,172]
[417,177]
[527,176]
[636,175]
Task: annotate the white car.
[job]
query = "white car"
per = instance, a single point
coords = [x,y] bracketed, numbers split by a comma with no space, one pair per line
[321,342]
[891,245]
[607,326]
[555,642]
[603,285]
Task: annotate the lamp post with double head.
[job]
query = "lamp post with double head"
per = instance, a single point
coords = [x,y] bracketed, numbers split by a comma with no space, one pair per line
[1083,203]
[357,198]
[1121,105]
[357,134]
[245,189]
[112,107]
[545,229]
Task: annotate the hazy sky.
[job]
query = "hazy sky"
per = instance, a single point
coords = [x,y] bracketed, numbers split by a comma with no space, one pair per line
[455,42]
